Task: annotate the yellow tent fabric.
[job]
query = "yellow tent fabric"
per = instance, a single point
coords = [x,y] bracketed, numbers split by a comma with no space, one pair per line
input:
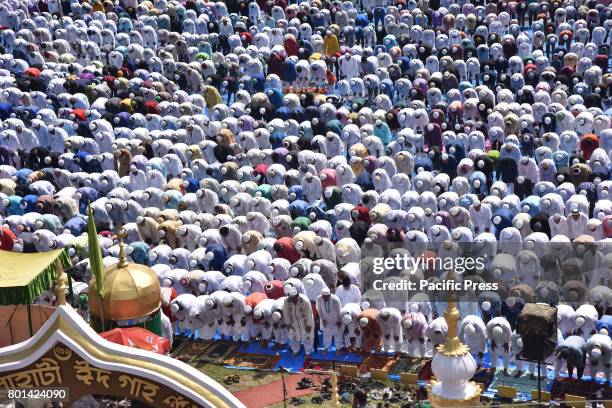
[25,276]
[17,269]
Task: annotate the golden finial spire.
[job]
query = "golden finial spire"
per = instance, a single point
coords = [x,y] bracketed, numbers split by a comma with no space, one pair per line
[334,389]
[453,346]
[121,233]
[59,286]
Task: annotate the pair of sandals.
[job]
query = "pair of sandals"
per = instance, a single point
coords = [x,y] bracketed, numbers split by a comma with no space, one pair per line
[232,379]
[304,383]
[317,399]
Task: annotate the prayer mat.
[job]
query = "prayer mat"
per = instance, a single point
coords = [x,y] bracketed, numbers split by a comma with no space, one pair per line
[325,365]
[248,360]
[177,344]
[189,351]
[591,390]
[425,372]
[523,384]
[406,364]
[377,361]
[218,351]
[484,377]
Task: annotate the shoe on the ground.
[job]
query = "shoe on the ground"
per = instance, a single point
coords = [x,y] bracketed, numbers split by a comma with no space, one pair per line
[317,399]
[304,383]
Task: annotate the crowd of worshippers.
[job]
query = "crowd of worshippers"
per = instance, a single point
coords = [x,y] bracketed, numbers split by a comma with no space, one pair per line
[261,154]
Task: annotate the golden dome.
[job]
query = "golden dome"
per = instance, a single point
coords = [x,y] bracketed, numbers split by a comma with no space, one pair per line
[130,291]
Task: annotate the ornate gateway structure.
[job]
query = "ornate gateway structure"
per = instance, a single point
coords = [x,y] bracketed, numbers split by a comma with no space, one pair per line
[69,356]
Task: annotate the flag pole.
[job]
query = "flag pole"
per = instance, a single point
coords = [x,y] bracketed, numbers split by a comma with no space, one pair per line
[95,260]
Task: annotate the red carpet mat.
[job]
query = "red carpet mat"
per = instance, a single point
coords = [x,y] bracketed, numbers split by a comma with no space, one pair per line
[272,393]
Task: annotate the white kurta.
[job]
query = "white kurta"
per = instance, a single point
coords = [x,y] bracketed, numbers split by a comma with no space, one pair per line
[350,295]
[558,227]
[300,323]
[329,316]
[392,329]
[576,225]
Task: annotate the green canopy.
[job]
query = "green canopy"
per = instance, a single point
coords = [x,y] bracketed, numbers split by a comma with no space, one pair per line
[23,277]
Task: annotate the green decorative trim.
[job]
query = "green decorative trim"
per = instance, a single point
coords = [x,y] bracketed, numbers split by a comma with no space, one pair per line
[151,322]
